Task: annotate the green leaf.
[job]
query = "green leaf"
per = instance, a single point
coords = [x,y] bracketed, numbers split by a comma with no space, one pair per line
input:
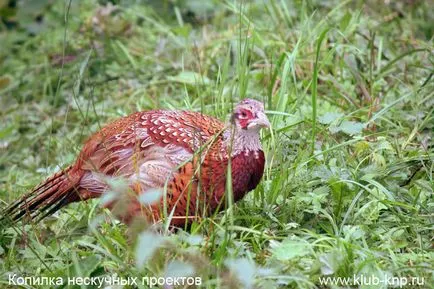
[351,127]
[348,127]
[6,131]
[87,266]
[330,117]
[289,249]
[330,262]
[345,20]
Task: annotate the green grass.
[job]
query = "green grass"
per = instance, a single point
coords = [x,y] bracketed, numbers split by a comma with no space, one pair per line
[348,87]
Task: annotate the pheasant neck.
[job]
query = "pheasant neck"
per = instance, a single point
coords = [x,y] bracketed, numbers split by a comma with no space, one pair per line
[239,141]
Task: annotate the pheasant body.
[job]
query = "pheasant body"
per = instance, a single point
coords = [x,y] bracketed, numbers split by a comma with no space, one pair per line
[187,153]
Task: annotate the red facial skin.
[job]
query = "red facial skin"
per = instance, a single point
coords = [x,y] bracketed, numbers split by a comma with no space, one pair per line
[244,116]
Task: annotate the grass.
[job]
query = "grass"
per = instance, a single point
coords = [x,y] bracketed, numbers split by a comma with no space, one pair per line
[348,186]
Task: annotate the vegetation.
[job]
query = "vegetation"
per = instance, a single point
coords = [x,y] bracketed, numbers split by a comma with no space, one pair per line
[348,86]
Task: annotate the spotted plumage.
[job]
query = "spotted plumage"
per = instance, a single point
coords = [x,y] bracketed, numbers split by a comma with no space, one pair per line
[182,153]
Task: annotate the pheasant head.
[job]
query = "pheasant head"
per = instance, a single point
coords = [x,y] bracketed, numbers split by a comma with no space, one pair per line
[242,132]
[249,115]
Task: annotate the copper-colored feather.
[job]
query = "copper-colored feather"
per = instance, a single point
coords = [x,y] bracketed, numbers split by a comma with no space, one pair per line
[185,152]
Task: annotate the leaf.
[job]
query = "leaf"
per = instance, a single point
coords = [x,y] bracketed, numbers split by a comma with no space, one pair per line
[351,127]
[190,77]
[179,269]
[327,267]
[345,20]
[29,9]
[6,131]
[323,190]
[384,145]
[334,129]
[147,244]
[330,262]
[289,249]
[361,148]
[150,197]
[379,160]
[348,127]
[86,266]
[33,6]
[244,269]
[330,117]
[353,232]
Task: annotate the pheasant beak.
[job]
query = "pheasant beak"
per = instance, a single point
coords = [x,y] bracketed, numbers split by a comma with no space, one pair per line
[261,121]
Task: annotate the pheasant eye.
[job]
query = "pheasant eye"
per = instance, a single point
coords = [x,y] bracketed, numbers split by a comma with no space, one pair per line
[243,114]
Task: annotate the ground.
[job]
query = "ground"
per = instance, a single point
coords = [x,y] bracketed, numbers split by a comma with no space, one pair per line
[348,185]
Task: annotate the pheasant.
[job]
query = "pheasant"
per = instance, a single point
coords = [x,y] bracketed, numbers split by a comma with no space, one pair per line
[184,154]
